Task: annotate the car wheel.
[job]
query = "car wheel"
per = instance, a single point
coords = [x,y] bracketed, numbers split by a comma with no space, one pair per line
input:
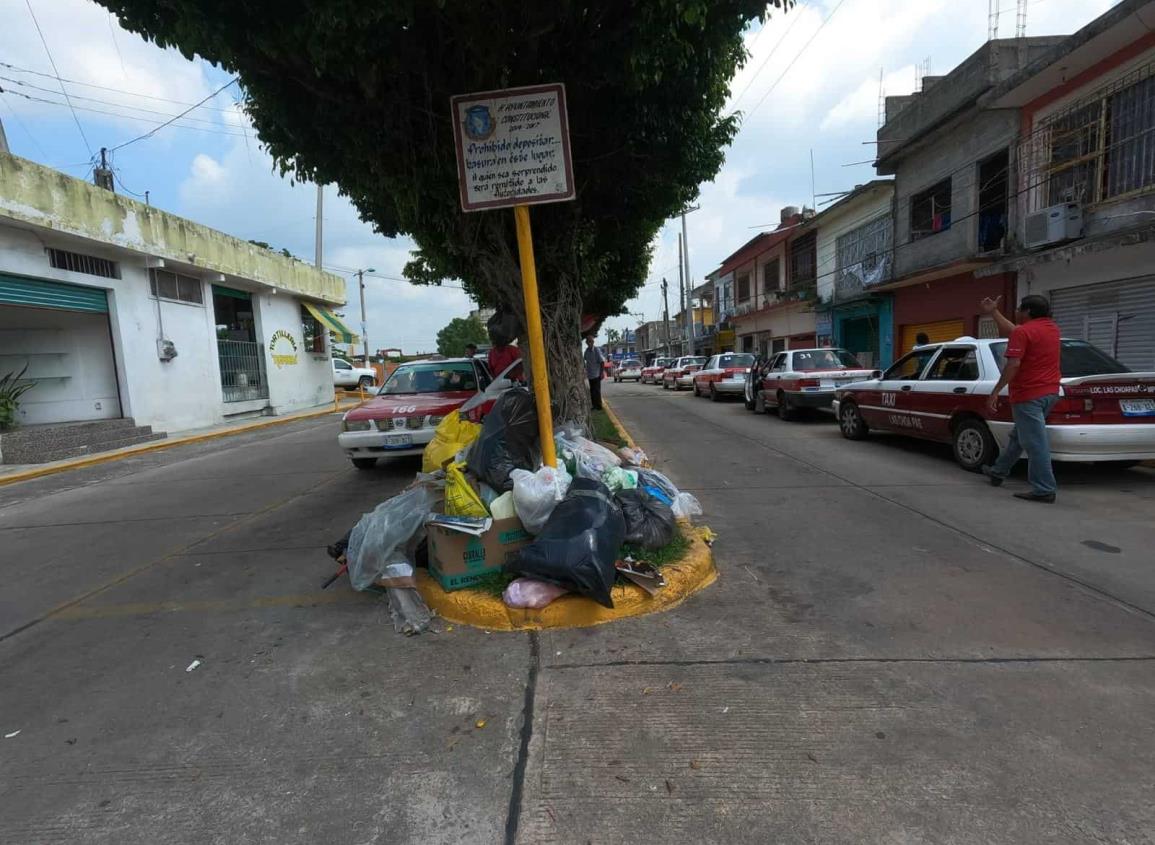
[850,420]
[364,463]
[974,445]
[785,411]
[365,382]
[714,397]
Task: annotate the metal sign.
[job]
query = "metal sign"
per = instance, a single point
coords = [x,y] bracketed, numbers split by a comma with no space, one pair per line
[512,147]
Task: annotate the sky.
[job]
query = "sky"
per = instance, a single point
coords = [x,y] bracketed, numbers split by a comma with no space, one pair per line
[809,88]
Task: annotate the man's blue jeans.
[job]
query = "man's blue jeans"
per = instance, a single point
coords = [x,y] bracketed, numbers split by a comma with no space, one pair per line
[1030,435]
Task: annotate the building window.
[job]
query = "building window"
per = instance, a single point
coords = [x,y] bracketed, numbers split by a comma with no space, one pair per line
[930,211]
[87,264]
[771,276]
[863,257]
[1130,149]
[804,261]
[312,331]
[993,186]
[165,284]
[744,287]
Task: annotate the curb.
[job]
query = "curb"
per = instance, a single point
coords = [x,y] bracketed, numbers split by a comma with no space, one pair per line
[168,443]
[691,574]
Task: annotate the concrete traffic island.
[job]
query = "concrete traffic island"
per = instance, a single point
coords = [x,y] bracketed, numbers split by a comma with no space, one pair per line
[693,573]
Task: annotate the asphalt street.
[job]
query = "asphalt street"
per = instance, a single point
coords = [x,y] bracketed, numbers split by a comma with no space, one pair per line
[893,652]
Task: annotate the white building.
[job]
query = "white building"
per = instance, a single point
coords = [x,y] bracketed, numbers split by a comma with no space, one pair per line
[122,310]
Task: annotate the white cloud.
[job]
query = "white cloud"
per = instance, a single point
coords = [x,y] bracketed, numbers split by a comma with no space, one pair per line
[860,106]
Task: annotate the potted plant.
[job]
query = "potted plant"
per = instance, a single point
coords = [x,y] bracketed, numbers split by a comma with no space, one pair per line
[10,392]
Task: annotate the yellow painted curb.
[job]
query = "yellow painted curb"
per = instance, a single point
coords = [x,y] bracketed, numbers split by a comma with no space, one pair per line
[617,421]
[692,573]
[168,443]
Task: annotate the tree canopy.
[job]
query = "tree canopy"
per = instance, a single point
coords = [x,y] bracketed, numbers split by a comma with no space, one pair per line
[356,92]
[460,331]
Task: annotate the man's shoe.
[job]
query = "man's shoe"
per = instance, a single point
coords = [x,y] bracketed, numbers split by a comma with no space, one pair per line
[1032,496]
[995,480]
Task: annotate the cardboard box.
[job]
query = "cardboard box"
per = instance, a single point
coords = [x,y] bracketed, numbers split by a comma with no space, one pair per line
[460,560]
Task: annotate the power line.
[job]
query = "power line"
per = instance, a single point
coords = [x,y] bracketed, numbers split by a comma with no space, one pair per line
[19,69]
[52,62]
[773,50]
[782,76]
[152,132]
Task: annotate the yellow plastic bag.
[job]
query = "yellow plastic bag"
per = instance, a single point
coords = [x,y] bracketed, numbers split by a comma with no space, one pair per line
[460,497]
[453,435]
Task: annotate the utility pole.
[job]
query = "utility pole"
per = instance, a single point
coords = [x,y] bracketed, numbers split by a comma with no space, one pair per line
[364,330]
[3,140]
[317,239]
[666,312]
[689,276]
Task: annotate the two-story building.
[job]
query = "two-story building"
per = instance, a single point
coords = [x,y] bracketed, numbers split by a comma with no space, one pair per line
[117,311]
[1085,182]
[950,152]
[856,257]
[775,276]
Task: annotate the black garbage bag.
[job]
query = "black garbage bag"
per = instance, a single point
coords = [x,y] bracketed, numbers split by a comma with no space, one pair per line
[508,440]
[503,328]
[650,522]
[580,543]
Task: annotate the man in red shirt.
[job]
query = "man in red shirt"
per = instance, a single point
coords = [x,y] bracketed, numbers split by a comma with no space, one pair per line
[500,357]
[1032,371]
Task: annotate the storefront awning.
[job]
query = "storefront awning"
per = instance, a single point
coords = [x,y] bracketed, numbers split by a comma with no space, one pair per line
[332,322]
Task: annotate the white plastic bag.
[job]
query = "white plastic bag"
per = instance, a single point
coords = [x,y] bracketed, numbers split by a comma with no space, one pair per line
[531,593]
[686,505]
[390,534]
[535,494]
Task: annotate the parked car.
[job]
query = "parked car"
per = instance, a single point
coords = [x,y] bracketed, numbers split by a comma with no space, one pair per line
[681,372]
[653,373]
[401,418]
[804,378]
[723,375]
[346,375]
[630,368]
[939,392]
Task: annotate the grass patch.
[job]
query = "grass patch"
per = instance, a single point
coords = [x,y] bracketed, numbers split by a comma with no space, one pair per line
[605,430]
[493,584]
[672,552]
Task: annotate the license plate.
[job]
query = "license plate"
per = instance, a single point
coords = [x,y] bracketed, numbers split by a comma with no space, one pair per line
[1137,407]
[394,441]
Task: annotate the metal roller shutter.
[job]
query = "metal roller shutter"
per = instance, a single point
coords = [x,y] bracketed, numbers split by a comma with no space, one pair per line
[1118,317]
[38,293]
[940,332]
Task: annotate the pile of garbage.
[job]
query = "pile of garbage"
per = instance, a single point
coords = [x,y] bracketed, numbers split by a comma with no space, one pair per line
[485,508]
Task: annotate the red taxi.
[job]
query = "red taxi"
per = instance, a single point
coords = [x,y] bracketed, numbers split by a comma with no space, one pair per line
[402,417]
[681,373]
[653,373]
[723,375]
[939,392]
[804,378]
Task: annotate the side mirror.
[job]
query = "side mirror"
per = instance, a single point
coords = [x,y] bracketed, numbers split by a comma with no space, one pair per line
[876,374]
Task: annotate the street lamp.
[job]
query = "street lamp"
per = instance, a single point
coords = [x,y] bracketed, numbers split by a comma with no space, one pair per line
[364,331]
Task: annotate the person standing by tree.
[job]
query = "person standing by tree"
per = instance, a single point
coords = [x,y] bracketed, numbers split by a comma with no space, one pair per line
[1033,373]
[595,372]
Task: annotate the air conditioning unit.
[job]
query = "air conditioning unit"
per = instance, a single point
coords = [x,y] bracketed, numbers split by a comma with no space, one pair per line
[1053,225]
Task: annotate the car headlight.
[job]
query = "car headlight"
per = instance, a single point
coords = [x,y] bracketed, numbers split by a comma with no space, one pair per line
[435,421]
[356,425]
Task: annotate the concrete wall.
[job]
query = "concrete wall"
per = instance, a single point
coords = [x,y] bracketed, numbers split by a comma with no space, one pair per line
[30,193]
[1105,266]
[837,222]
[957,155]
[292,386]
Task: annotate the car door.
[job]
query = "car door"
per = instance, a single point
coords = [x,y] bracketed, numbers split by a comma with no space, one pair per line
[343,375]
[774,373]
[947,385]
[892,411]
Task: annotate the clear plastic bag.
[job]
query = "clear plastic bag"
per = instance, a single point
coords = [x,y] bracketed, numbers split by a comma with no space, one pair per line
[536,494]
[409,612]
[617,479]
[686,505]
[531,593]
[390,534]
[591,460]
[652,478]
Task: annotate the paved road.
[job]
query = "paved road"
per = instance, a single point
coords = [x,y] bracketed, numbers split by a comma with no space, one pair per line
[894,653]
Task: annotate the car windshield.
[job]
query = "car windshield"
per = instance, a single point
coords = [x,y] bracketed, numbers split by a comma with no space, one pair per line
[690,362]
[736,361]
[662,362]
[1077,358]
[430,377]
[824,359]
[631,363]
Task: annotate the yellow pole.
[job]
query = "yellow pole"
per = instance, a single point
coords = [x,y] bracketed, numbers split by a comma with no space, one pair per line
[533,327]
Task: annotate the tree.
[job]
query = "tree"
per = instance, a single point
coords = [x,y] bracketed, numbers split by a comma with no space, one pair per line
[357,93]
[613,336]
[452,339]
